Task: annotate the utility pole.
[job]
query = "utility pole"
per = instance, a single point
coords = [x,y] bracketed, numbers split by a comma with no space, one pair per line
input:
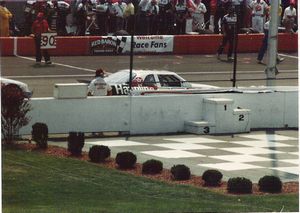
[131,50]
[271,70]
[235,43]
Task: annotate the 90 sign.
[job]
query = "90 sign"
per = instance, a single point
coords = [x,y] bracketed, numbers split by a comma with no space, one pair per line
[48,41]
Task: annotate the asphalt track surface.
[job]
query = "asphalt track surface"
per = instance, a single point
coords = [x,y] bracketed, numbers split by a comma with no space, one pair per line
[206,69]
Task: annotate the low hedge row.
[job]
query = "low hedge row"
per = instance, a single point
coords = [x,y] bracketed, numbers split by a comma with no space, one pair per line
[240,185]
[127,160]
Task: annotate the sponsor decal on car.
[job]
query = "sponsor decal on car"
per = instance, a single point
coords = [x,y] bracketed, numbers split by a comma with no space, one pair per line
[123,89]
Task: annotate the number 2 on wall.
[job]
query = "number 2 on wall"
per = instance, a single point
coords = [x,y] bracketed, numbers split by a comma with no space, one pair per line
[241,117]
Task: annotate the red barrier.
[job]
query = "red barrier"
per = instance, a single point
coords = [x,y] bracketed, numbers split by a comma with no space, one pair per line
[183,44]
[208,44]
[6,46]
[73,46]
[25,46]
[288,42]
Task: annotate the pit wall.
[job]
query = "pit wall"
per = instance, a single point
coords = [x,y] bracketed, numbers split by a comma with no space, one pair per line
[183,44]
[157,114]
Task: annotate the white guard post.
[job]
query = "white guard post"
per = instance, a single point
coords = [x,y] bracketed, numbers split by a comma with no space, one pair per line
[48,41]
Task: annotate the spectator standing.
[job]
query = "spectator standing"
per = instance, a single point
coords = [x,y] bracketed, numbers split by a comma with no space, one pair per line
[258,14]
[39,26]
[111,18]
[279,14]
[264,45]
[5,16]
[198,16]
[98,86]
[166,17]
[129,16]
[152,14]
[221,10]
[228,25]
[81,17]
[248,14]
[51,15]
[29,16]
[240,12]
[120,21]
[289,17]
[207,14]
[63,9]
[143,22]
[101,17]
[181,14]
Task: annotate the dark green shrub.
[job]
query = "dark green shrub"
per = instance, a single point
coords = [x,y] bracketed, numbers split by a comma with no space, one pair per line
[126,160]
[212,177]
[14,109]
[75,143]
[271,184]
[181,172]
[98,153]
[40,135]
[152,167]
[239,185]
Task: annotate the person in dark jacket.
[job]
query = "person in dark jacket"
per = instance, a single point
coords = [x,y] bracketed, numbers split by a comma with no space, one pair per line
[228,28]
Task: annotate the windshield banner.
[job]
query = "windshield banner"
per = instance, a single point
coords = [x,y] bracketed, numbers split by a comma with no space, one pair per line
[142,44]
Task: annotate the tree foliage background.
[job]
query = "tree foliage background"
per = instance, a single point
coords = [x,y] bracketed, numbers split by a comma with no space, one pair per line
[14,109]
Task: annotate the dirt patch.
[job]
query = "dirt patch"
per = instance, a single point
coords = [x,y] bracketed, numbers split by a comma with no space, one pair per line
[165,175]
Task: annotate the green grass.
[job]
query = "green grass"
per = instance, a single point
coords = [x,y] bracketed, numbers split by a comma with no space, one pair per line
[33,182]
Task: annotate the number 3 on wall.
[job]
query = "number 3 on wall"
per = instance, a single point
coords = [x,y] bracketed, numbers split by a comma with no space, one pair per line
[206,130]
[48,41]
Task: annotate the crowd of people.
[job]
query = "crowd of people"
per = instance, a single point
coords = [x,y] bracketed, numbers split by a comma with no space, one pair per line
[151,17]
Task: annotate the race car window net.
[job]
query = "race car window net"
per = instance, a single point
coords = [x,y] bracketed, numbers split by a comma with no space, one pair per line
[169,81]
[149,81]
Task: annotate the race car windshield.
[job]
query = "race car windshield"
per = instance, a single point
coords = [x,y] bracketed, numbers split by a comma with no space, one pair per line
[120,77]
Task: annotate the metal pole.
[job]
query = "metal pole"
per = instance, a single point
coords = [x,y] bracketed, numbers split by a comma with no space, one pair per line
[131,51]
[235,42]
[271,70]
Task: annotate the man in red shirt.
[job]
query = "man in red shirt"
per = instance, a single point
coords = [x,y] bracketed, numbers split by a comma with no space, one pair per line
[39,26]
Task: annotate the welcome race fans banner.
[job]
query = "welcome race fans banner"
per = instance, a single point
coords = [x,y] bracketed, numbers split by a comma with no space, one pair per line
[142,44]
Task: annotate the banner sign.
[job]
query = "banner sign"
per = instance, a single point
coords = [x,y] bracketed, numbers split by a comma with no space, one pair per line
[48,41]
[142,44]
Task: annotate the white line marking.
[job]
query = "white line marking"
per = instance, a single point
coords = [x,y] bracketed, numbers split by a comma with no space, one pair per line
[64,65]
[289,56]
[230,72]
[47,76]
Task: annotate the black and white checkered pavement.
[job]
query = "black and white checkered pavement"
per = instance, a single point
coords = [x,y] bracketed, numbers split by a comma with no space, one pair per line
[247,155]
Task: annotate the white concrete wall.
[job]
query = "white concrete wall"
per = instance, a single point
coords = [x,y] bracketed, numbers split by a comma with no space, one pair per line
[156,114]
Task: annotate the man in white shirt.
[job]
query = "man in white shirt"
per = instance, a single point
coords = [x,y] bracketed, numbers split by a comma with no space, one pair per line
[120,21]
[98,87]
[198,16]
[258,14]
[289,17]
[152,10]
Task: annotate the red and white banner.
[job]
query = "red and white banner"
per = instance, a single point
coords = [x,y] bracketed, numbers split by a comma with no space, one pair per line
[142,44]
